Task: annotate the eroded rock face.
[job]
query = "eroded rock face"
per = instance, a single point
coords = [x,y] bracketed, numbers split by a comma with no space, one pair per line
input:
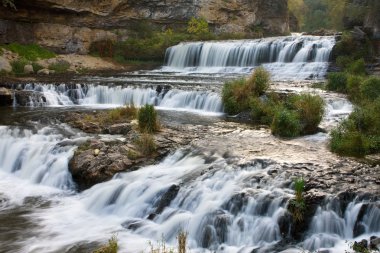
[71,26]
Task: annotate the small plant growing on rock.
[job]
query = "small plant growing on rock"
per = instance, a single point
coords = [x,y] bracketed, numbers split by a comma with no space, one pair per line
[147,119]
[110,247]
[145,144]
[297,205]
[182,239]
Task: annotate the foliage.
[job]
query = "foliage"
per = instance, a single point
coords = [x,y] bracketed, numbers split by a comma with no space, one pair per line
[370,89]
[286,123]
[337,82]
[236,95]
[102,48]
[263,109]
[357,67]
[297,206]
[111,247]
[310,110]
[359,135]
[18,66]
[30,52]
[259,81]
[59,66]
[198,26]
[120,114]
[145,144]
[147,119]
[36,67]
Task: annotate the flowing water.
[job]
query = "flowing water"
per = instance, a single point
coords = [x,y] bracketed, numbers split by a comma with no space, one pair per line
[224,206]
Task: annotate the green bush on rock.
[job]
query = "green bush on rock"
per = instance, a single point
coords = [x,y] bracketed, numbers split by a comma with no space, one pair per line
[147,119]
[286,123]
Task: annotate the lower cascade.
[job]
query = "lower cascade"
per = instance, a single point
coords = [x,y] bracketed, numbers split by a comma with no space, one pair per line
[222,206]
[90,95]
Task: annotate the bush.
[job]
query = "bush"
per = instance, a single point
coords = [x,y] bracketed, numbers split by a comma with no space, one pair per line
[60,66]
[337,82]
[30,52]
[297,205]
[147,118]
[199,27]
[145,144]
[357,67]
[36,67]
[310,109]
[286,123]
[102,48]
[111,247]
[235,96]
[349,143]
[263,110]
[259,81]
[370,89]
[18,65]
[353,87]
[121,114]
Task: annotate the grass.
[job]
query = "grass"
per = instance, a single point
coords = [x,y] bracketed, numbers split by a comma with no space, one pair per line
[18,66]
[286,123]
[110,247]
[147,119]
[30,52]
[60,66]
[297,206]
[145,144]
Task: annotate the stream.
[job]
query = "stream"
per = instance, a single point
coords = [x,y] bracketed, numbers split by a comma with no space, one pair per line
[228,191]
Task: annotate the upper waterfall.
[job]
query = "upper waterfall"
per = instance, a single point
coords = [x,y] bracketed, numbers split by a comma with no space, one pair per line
[305,55]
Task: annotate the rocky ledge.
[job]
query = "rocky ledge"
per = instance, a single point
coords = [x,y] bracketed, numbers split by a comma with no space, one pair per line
[115,148]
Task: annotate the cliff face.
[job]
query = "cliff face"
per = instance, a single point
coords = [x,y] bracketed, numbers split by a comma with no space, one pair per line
[70,26]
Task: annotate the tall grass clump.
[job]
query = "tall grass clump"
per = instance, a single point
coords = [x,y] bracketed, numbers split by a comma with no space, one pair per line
[145,144]
[286,123]
[310,109]
[236,95]
[110,247]
[370,89]
[297,206]
[337,82]
[60,66]
[147,119]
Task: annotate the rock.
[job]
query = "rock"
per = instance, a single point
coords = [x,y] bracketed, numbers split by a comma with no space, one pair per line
[96,152]
[5,65]
[76,24]
[122,128]
[43,72]
[6,98]
[374,243]
[362,245]
[28,98]
[167,198]
[28,69]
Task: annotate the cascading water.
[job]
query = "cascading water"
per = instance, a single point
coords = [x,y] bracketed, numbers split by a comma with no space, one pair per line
[294,57]
[95,95]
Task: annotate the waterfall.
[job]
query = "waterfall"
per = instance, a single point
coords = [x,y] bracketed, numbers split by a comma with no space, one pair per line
[92,95]
[36,157]
[300,57]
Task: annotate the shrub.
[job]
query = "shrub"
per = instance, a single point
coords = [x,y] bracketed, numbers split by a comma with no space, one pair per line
[111,247]
[102,48]
[36,67]
[297,205]
[145,144]
[235,96]
[30,52]
[259,81]
[337,82]
[370,89]
[286,123]
[18,65]
[357,67]
[60,66]
[147,119]
[353,87]
[343,61]
[262,110]
[349,143]
[310,109]
[198,27]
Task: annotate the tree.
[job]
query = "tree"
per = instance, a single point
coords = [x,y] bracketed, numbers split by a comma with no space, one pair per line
[198,26]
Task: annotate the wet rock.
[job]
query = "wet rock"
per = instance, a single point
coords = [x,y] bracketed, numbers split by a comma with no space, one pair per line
[28,69]
[6,98]
[360,246]
[28,98]
[374,243]
[167,198]
[284,223]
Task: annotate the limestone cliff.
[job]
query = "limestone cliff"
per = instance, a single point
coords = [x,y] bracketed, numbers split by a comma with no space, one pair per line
[69,26]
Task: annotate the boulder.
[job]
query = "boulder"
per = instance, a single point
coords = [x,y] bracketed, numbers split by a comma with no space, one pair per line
[43,72]
[122,128]
[28,69]
[5,65]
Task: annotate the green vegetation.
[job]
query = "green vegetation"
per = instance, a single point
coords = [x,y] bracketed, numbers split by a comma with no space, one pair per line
[199,27]
[287,117]
[60,66]
[145,144]
[297,206]
[18,66]
[286,123]
[147,119]
[119,115]
[31,52]
[309,13]
[110,247]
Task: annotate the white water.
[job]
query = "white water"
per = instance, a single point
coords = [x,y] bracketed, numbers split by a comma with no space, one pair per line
[95,95]
[222,207]
[293,57]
